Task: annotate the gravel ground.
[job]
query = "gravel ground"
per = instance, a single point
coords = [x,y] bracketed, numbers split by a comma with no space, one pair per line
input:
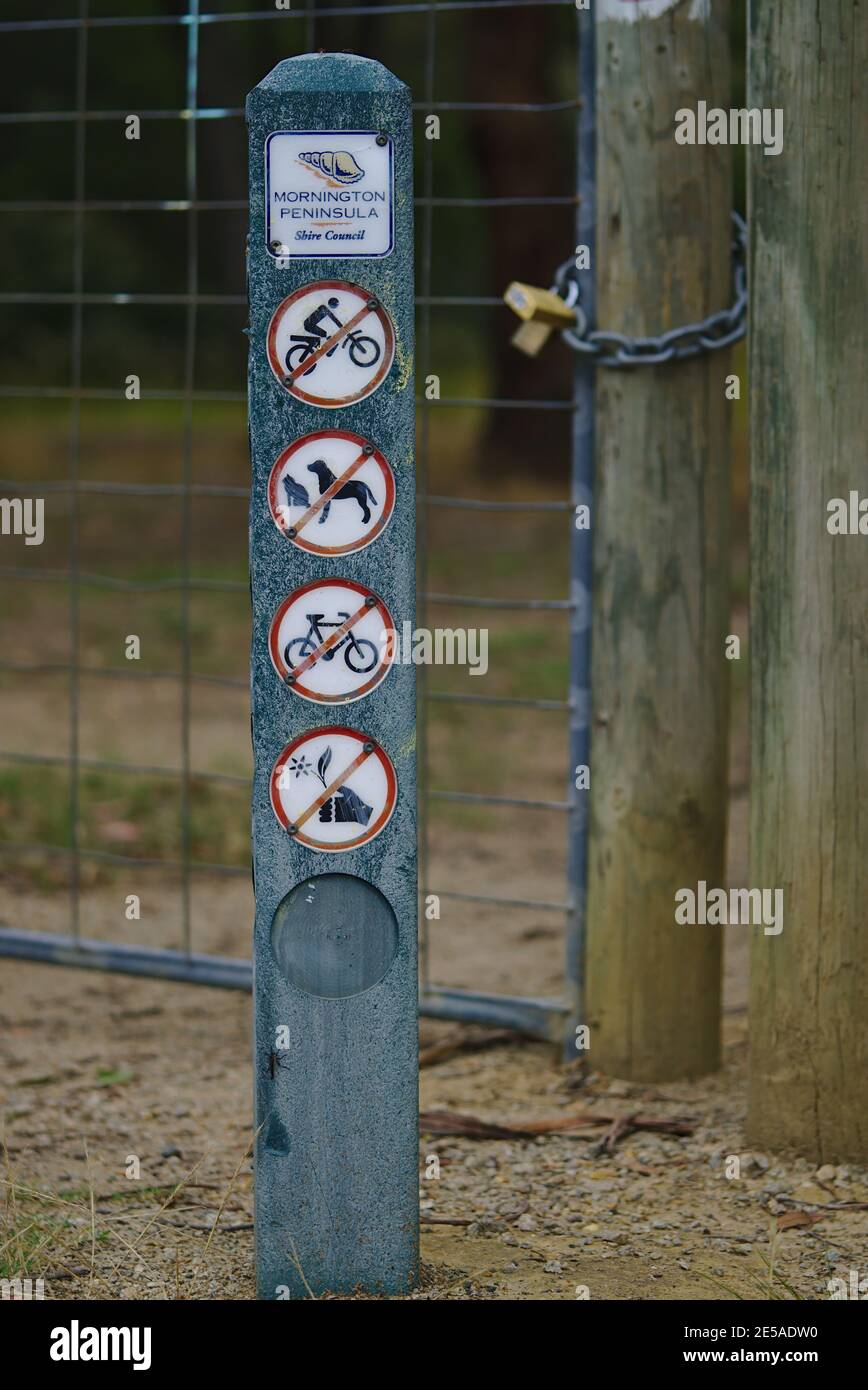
[99,1071]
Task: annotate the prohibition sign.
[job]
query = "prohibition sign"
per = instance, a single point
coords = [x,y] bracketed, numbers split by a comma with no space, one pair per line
[326,641]
[330,343]
[356,490]
[333,789]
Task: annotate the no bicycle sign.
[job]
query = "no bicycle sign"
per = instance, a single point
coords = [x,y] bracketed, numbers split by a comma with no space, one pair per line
[327,641]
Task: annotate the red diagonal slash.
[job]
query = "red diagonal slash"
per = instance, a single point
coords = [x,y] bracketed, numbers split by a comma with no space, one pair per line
[331,641]
[331,788]
[329,343]
[329,493]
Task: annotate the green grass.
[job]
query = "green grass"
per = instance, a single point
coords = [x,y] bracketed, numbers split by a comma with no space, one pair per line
[137,816]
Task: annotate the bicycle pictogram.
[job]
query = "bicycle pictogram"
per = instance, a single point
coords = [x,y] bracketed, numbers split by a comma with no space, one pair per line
[360,655]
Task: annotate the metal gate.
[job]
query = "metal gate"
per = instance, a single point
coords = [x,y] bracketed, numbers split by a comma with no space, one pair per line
[86,34]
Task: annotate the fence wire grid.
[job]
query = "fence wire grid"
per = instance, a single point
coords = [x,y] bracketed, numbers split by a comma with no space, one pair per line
[72,318]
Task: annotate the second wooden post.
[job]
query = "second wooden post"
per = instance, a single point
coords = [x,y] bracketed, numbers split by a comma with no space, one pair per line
[661,597]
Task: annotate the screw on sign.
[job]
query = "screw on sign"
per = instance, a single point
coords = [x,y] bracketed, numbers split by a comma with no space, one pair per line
[331,492]
[333,789]
[326,641]
[331,343]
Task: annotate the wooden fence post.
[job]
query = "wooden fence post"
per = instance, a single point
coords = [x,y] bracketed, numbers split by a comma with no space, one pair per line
[661,597]
[332,568]
[809,564]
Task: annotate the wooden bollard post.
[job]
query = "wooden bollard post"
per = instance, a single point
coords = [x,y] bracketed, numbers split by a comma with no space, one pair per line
[809,577]
[661,597]
[332,564]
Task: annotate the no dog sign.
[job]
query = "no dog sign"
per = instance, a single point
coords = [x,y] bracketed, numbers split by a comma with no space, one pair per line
[331,492]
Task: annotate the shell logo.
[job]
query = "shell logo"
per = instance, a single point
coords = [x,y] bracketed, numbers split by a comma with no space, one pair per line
[339,165]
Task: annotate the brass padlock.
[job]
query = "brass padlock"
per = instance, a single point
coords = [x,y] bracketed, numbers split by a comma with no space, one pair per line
[542,312]
[531,337]
[538,306]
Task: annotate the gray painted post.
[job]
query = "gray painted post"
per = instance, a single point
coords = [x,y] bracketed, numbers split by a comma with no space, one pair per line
[335,992]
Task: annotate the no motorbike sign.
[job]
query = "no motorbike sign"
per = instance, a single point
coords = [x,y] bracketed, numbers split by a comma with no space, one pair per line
[331,492]
[327,641]
[333,789]
[330,343]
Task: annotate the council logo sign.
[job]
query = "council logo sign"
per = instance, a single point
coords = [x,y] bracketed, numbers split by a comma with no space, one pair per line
[333,789]
[329,193]
[330,343]
[331,492]
[326,641]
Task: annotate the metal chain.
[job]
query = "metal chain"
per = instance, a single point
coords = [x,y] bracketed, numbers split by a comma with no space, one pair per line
[608,349]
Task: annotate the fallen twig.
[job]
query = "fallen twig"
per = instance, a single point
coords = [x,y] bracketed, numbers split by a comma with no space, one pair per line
[451,1122]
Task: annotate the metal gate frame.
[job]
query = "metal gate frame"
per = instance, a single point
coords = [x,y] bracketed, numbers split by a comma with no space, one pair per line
[553,1019]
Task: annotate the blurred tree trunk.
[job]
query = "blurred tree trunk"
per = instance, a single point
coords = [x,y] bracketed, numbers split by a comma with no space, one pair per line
[510,55]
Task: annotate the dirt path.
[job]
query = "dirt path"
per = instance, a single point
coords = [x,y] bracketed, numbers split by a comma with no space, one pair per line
[100,1069]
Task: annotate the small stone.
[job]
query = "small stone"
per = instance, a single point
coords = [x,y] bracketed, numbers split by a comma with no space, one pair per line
[552,1267]
[170,1151]
[526,1222]
[826,1173]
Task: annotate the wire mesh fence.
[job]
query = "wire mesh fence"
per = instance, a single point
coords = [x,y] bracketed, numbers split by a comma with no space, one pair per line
[123,285]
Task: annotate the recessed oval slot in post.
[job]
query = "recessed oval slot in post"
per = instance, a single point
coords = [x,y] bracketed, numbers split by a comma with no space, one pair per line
[334,935]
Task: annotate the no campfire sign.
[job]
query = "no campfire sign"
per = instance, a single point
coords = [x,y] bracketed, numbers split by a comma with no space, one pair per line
[333,789]
[332,573]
